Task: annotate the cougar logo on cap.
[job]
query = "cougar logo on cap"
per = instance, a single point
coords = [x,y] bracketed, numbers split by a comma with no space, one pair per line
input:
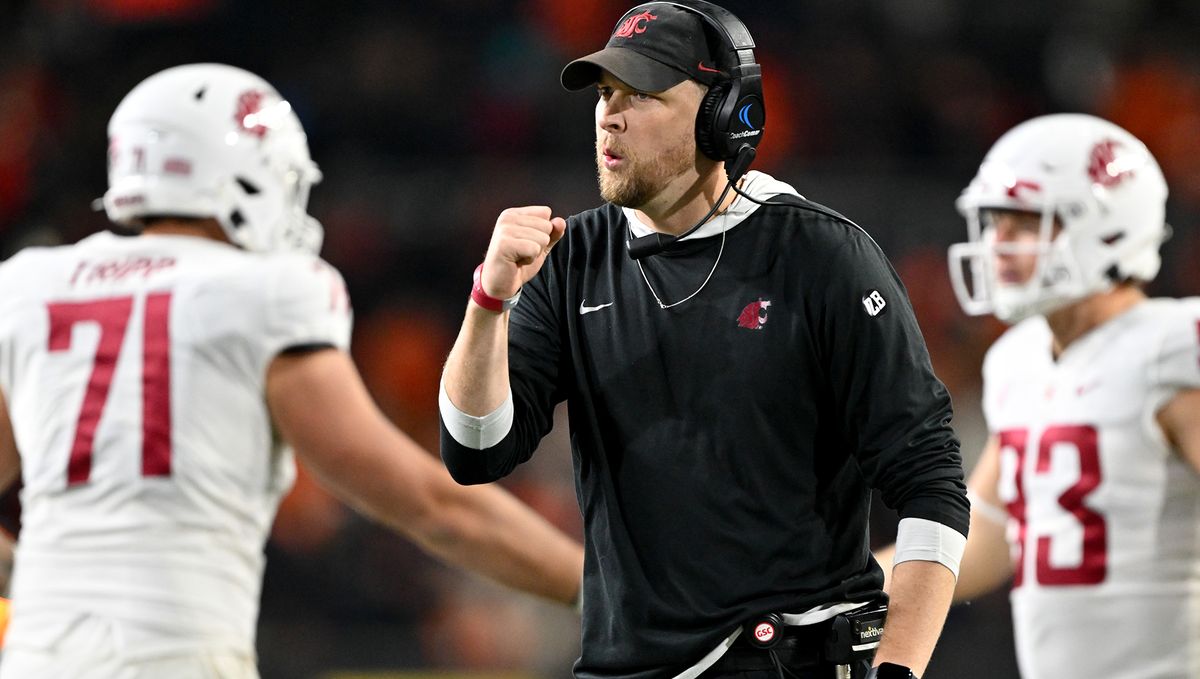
[248,106]
[1105,168]
[634,24]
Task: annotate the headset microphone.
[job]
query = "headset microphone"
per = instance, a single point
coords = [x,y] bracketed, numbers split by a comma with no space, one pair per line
[644,246]
[652,244]
[731,115]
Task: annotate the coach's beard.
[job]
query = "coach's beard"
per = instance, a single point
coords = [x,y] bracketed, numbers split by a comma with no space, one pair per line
[639,180]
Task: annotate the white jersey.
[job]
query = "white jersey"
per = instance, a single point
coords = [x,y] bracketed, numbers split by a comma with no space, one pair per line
[134,370]
[1105,516]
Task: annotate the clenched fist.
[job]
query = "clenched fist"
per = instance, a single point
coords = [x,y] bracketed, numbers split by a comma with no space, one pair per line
[522,239]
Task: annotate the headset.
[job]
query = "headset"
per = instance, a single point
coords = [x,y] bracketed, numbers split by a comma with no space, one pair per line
[729,123]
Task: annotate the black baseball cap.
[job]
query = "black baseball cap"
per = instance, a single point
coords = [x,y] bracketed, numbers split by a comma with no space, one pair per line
[654,47]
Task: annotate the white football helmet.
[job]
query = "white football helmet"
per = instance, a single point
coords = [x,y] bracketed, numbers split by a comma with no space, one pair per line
[1099,182]
[209,140]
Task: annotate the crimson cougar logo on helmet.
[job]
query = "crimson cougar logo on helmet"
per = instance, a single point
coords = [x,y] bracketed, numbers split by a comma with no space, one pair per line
[1105,167]
[634,24]
[249,104]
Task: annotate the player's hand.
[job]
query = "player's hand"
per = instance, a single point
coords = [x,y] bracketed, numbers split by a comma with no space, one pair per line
[522,239]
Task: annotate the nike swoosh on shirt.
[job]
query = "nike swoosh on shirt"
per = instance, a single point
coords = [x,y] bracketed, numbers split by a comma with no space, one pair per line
[585,309]
[707,69]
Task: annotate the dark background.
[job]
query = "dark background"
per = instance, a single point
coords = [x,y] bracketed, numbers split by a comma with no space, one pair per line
[429,118]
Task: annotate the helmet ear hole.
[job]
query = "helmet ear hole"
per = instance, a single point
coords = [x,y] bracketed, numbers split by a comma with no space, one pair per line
[248,186]
[237,219]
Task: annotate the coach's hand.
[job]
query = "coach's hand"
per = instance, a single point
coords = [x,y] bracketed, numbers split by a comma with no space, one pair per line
[522,239]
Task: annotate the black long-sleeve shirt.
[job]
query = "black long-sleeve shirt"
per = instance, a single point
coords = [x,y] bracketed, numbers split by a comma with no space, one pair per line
[724,448]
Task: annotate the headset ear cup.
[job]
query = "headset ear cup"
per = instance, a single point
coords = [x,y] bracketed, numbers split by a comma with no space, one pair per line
[709,140]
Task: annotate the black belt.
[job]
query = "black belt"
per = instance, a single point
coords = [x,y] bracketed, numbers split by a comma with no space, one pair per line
[767,643]
[799,649]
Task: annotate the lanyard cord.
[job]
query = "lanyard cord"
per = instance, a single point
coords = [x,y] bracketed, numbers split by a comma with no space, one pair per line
[711,271]
[697,292]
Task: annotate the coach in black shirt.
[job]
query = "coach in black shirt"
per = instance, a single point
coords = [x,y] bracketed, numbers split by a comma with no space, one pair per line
[735,388]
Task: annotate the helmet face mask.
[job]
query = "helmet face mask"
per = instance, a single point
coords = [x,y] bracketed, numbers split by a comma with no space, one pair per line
[982,270]
[208,140]
[1101,200]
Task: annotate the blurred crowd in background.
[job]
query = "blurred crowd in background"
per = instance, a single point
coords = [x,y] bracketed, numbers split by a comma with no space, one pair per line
[429,118]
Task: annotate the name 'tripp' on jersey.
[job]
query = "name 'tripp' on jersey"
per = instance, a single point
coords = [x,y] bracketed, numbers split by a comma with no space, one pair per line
[1104,516]
[134,370]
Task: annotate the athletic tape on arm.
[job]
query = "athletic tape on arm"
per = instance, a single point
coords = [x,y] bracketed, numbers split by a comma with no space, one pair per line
[475,432]
[925,540]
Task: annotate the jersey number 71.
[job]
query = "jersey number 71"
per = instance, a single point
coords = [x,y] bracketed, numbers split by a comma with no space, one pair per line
[113,315]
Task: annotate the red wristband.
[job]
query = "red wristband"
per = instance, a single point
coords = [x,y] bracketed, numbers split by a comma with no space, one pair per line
[487,301]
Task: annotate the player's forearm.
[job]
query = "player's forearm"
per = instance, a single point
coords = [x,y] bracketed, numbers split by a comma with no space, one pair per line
[322,408]
[487,530]
[476,372]
[886,558]
[10,458]
[920,597]
[986,563]
[482,528]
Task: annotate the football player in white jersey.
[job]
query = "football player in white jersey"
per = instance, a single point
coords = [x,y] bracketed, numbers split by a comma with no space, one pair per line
[1087,494]
[155,386]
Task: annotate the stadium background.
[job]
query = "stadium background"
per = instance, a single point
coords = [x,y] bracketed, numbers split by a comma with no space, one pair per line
[429,118]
